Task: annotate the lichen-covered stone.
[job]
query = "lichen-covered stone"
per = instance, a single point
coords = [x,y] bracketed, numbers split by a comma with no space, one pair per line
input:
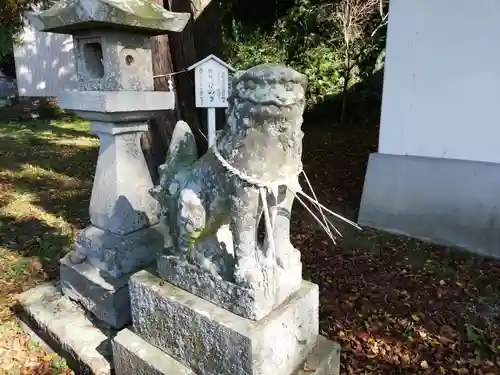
[72,16]
[247,302]
[68,328]
[134,356]
[116,254]
[113,60]
[107,298]
[262,141]
[212,341]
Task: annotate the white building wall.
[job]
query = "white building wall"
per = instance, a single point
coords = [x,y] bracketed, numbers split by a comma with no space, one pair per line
[441,93]
[44,63]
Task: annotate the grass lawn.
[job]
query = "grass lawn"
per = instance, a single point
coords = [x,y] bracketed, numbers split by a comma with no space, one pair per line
[397,306]
[45,180]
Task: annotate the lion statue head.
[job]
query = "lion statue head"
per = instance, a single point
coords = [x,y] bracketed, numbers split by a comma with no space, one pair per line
[263,136]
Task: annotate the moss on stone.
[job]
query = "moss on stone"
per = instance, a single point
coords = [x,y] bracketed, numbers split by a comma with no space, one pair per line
[69,16]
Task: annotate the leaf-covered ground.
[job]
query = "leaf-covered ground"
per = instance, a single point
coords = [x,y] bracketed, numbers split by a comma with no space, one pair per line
[397,306]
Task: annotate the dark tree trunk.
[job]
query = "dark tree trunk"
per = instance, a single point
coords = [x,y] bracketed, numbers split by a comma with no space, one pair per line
[207,40]
[207,30]
[155,142]
[175,53]
[182,47]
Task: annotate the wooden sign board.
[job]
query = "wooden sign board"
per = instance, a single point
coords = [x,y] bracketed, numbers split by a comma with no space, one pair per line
[211,82]
[211,77]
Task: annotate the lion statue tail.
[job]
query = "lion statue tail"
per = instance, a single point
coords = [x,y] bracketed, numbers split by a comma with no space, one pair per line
[181,155]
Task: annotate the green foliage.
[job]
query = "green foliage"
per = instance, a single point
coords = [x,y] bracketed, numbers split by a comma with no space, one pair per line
[255,48]
[5,42]
[11,24]
[307,35]
[472,335]
[49,110]
[322,64]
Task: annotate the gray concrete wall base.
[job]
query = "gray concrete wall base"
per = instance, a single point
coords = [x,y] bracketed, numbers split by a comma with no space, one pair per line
[444,201]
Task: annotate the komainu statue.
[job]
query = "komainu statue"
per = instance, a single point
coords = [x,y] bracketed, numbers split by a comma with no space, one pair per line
[229,211]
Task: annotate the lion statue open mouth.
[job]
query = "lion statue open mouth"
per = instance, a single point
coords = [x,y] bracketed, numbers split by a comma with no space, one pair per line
[213,205]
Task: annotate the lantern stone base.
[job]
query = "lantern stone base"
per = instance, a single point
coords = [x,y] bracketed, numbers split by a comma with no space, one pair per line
[68,329]
[194,336]
[116,254]
[105,297]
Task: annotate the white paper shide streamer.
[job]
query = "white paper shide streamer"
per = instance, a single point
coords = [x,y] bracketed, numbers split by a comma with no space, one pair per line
[294,187]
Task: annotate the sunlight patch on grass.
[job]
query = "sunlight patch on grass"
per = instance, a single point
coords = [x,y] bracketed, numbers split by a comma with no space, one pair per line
[82,142]
[37,174]
[45,130]
[21,207]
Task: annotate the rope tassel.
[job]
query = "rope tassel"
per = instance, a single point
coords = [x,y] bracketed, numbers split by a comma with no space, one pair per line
[294,187]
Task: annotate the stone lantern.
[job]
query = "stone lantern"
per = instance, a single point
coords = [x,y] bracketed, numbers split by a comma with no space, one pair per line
[116,94]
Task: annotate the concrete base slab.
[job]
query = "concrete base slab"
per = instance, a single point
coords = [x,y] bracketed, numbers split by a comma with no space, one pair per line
[445,201]
[324,359]
[107,298]
[213,341]
[67,329]
[135,356]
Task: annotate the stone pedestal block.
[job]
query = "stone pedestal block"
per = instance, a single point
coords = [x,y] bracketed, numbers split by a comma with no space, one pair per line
[210,340]
[134,356]
[121,254]
[252,304]
[105,297]
[120,201]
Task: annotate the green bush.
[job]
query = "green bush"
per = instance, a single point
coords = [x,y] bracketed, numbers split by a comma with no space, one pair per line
[48,109]
[308,36]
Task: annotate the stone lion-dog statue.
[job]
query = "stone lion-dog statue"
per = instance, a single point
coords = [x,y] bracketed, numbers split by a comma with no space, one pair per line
[214,205]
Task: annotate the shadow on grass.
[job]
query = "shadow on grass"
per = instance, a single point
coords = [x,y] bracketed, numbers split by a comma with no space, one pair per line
[58,173]
[31,237]
[46,174]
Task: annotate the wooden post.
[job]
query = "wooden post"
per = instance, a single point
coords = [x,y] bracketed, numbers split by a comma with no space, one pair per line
[211,127]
